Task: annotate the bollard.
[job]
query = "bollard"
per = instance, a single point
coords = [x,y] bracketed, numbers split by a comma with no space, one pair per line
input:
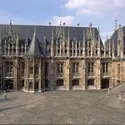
[120,95]
[108,90]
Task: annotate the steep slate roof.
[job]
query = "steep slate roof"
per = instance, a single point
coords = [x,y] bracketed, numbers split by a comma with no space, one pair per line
[44,34]
[34,49]
[46,31]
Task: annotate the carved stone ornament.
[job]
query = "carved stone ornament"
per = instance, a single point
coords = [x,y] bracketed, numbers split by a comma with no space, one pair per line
[84,66]
[36,61]
[30,61]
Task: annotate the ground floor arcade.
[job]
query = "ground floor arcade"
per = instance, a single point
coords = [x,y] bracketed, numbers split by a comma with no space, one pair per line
[59,84]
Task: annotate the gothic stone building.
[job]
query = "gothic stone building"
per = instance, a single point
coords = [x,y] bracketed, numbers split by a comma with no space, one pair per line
[38,58]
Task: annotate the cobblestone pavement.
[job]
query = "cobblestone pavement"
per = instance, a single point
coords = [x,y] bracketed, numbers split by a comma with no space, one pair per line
[61,107]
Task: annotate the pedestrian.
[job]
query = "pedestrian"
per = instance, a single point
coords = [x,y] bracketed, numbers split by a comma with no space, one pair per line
[5,89]
[5,95]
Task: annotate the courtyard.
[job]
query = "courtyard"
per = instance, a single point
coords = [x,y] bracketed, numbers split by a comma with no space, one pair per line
[62,107]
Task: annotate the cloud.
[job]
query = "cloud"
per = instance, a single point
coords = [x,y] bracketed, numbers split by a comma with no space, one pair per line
[95,7]
[5,17]
[66,19]
[87,12]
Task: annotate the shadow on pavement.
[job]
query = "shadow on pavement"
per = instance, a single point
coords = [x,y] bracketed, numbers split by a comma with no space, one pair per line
[4,109]
[6,100]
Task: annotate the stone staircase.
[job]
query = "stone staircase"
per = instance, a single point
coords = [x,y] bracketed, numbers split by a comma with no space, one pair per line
[118,90]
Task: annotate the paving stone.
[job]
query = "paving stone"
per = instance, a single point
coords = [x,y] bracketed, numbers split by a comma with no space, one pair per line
[62,107]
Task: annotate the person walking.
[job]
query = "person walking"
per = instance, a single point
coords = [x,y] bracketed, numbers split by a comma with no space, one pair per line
[5,89]
[5,95]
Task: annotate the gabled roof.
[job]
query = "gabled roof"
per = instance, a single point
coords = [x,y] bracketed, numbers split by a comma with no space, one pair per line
[34,49]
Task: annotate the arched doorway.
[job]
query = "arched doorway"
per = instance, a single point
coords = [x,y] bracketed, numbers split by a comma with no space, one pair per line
[105,83]
[22,84]
[36,86]
[46,84]
[91,84]
[9,83]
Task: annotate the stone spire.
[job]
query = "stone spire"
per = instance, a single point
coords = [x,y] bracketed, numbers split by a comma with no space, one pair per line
[109,47]
[116,26]
[26,44]
[17,45]
[113,48]
[79,48]
[52,44]
[90,31]
[76,47]
[10,29]
[99,42]
[34,49]
[60,31]
[68,45]
[84,43]
[0,44]
[72,47]
[105,49]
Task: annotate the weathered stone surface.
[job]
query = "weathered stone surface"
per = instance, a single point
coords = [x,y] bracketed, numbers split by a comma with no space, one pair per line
[62,107]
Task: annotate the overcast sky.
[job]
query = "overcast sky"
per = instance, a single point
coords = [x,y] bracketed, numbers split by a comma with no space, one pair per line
[98,12]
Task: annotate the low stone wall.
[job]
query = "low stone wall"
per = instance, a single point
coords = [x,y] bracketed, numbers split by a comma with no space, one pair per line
[122,95]
[117,89]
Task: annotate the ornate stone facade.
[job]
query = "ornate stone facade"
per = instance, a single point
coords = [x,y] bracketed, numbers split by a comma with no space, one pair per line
[39,58]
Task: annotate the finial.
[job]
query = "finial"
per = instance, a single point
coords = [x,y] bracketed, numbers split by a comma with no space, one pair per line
[107,37]
[60,23]
[78,24]
[98,29]
[64,24]
[115,20]
[49,23]
[90,25]
[10,22]
[116,23]
[119,25]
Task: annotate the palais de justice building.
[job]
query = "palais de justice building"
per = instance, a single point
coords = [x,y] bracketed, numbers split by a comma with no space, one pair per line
[38,58]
